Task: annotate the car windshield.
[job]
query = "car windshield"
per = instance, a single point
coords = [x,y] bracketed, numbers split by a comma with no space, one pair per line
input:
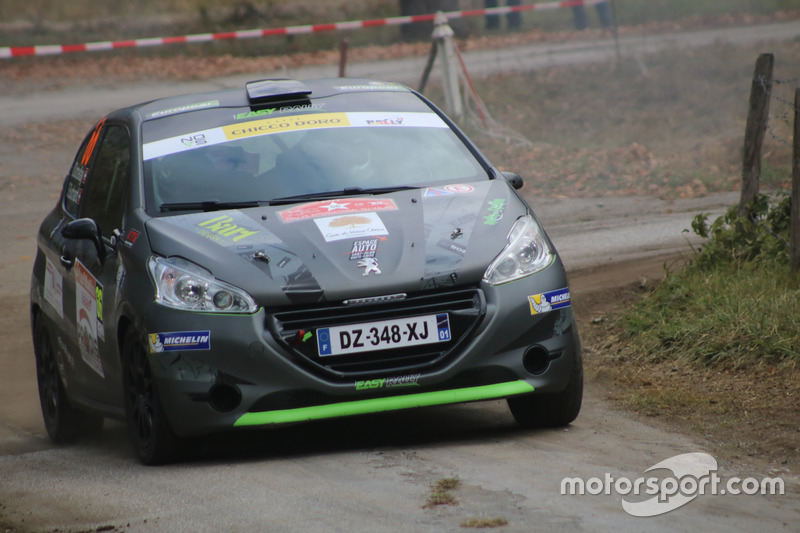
[249,162]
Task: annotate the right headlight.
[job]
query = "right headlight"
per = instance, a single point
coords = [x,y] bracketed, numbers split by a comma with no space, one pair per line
[527,252]
[184,285]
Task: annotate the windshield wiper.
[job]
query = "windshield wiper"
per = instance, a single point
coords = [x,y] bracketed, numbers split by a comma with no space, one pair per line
[347,191]
[210,205]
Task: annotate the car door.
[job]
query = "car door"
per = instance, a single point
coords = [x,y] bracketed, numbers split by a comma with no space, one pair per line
[92,260]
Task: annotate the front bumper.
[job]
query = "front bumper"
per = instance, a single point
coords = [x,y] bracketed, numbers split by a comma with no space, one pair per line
[246,377]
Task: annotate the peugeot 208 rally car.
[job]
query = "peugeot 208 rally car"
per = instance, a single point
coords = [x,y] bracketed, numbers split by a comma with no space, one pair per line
[290,251]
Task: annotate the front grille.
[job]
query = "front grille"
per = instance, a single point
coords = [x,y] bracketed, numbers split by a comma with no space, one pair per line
[465,308]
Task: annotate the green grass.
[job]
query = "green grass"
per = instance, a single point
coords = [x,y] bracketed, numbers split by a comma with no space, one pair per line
[729,316]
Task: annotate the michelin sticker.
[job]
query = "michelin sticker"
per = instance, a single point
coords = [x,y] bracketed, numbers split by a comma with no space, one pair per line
[180,340]
[549,301]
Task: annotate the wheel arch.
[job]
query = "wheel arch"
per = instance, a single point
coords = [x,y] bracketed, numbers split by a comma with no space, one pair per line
[35,313]
[123,325]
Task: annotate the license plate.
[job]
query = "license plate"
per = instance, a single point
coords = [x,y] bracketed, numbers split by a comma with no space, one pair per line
[383,335]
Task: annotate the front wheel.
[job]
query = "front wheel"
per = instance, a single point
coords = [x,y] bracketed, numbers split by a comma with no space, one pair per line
[148,428]
[551,410]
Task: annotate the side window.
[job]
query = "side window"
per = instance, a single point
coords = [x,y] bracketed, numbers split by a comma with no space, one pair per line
[77,179]
[104,192]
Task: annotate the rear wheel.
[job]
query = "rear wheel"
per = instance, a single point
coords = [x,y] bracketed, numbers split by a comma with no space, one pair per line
[64,423]
[148,428]
[551,410]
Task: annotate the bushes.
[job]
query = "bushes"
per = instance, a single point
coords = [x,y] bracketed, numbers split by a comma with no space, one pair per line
[762,235]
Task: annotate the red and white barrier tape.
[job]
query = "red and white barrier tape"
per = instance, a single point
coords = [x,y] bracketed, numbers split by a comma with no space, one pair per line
[41,50]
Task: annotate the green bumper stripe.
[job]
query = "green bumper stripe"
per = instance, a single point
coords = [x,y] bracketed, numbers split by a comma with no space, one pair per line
[377,405]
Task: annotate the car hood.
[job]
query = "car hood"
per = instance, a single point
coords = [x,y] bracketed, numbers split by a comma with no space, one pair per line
[348,247]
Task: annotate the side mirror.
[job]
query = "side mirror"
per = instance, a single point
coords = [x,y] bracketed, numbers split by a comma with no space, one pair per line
[514,179]
[85,228]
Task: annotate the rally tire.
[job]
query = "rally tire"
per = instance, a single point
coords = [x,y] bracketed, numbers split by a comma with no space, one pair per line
[149,430]
[64,424]
[551,410]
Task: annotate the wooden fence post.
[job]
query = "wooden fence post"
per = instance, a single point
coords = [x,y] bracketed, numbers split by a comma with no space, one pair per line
[343,47]
[794,217]
[756,126]
[444,34]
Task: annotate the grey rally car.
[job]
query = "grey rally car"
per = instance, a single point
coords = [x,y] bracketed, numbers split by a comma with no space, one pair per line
[291,251]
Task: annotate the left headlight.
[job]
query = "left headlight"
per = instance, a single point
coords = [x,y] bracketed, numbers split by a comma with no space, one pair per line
[187,286]
[527,252]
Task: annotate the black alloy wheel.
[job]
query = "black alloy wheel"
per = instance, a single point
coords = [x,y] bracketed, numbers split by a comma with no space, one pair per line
[63,423]
[150,433]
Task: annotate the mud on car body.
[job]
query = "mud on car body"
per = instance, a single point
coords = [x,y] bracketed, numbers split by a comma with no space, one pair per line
[290,251]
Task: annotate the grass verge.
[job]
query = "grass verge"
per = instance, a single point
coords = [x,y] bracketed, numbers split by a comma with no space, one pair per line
[713,351]
[732,316]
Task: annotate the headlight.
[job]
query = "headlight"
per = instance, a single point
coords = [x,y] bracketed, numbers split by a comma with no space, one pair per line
[184,285]
[527,252]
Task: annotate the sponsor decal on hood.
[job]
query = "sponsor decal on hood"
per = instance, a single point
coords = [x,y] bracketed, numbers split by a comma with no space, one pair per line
[333,249]
[353,226]
[339,207]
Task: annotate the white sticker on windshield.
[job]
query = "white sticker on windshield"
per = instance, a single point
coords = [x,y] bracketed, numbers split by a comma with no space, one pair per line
[269,126]
[181,143]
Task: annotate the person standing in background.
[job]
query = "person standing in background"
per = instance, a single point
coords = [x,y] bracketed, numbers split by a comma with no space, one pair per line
[513,19]
[603,13]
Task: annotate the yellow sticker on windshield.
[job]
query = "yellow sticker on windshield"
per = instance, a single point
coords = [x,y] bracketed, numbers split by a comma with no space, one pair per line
[293,123]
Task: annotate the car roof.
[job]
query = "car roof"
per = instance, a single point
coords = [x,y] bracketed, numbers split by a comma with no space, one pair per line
[268,92]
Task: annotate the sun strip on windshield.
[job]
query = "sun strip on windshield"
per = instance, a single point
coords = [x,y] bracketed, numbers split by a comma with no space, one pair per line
[269,126]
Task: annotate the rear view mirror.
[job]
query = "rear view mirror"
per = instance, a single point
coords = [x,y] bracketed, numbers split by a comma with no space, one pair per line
[85,228]
[514,179]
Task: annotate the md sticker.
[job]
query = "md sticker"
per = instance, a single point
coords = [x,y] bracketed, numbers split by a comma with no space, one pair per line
[549,301]
[180,340]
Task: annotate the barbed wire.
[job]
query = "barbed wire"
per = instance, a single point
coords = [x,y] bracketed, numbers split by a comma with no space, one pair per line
[478,114]
[777,137]
[784,117]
